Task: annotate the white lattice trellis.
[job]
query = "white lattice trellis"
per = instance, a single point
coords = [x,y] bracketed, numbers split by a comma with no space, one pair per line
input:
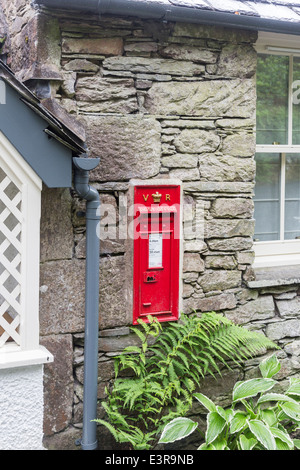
[10,259]
[20,207]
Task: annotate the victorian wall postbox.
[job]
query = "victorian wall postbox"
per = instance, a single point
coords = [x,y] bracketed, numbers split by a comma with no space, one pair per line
[156,269]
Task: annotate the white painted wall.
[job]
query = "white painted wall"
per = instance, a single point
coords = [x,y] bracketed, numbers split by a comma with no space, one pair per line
[21,408]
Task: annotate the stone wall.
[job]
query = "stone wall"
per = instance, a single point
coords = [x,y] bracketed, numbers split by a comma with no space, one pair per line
[158,100]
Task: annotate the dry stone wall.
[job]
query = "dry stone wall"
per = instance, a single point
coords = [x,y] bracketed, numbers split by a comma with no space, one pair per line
[158,100]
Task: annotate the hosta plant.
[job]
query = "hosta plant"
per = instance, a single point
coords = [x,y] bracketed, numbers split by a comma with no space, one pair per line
[258,419]
[162,372]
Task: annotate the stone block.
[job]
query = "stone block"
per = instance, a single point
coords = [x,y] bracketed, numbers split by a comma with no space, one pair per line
[230,244]
[180,160]
[190,174]
[283,329]
[213,303]
[103,95]
[129,146]
[228,228]
[229,208]
[81,65]
[188,52]
[218,280]
[153,66]
[56,240]
[236,36]
[112,304]
[241,144]
[237,61]
[219,187]
[84,45]
[260,309]
[219,98]
[289,308]
[58,384]
[65,280]
[192,262]
[196,141]
[62,296]
[225,168]
[220,262]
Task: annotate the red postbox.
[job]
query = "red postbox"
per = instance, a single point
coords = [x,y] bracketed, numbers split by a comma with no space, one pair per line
[156,252]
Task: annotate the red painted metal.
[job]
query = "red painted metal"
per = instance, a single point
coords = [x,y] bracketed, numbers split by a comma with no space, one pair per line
[156,252]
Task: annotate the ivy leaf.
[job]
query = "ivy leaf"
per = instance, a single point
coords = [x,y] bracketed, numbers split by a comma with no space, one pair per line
[263,434]
[177,429]
[251,388]
[215,425]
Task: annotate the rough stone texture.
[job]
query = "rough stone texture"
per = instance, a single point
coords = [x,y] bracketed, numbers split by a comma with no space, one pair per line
[191,53]
[58,383]
[222,98]
[289,308]
[225,168]
[56,225]
[105,46]
[260,309]
[129,147]
[240,144]
[212,303]
[192,262]
[106,95]
[196,141]
[161,66]
[68,278]
[227,228]
[237,61]
[65,277]
[281,330]
[230,244]
[218,280]
[232,207]
[113,312]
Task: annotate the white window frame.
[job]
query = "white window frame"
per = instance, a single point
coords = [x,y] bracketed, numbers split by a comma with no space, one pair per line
[29,351]
[280,252]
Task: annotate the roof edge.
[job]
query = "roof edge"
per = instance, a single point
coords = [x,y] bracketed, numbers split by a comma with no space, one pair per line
[174,13]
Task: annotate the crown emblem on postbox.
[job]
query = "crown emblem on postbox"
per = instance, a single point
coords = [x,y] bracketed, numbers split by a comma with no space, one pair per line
[156,197]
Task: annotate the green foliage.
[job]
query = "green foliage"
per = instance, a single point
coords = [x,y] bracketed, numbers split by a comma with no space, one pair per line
[257,419]
[161,377]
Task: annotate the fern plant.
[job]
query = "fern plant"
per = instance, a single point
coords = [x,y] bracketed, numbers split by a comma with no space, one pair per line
[164,375]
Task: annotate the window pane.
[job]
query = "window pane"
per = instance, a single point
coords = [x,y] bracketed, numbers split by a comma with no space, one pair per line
[296,101]
[292,197]
[267,197]
[272,99]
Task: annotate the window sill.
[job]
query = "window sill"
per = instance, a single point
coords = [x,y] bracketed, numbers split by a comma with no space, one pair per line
[275,276]
[11,357]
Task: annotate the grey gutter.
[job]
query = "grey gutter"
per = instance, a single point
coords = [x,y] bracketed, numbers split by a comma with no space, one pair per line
[81,184]
[175,13]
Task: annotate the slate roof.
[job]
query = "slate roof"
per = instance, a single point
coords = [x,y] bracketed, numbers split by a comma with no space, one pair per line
[281,10]
[60,125]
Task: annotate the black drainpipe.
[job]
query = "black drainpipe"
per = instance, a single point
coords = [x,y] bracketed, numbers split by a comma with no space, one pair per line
[81,184]
[174,12]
